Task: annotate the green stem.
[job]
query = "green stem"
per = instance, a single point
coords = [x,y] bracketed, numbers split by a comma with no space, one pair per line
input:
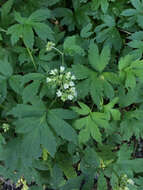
[52,103]
[61,53]
[31,56]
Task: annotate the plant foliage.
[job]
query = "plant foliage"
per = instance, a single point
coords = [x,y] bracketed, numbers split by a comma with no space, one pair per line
[71,94]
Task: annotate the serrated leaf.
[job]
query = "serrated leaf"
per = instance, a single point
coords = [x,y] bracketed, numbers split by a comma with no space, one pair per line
[87,127]
[43,31]
[130,80]
[84,135]
[16,33]
[96,91]
[94,131]
[61,127]
[40,15]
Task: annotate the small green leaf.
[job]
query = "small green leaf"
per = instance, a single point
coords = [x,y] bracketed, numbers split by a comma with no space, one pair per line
[5,68]
[85,32]
[71,47]
[40,15]
[102,183]
[28,36]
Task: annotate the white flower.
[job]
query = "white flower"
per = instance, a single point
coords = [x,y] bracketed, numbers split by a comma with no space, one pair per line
[62,68]
[73,77]
[73,89]
[59,93]
[48,79]
[54,72]
[68,75]
[75,94]
[61,76]
[71,83]
[66,86]
[70,97]
[130,181]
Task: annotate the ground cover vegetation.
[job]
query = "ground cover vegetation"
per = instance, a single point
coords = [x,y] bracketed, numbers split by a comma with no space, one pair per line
[71,94]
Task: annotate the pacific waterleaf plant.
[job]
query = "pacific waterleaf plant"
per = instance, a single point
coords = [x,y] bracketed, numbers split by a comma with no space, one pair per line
[73,121]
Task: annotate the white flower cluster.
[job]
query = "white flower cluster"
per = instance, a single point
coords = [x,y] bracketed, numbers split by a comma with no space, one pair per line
[125,181]
[65,83]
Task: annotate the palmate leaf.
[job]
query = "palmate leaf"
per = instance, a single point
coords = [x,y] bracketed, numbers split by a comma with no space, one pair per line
[104,32]
[32,123]
[97,87]
[130,71]
[87,127]
[35,128]
[132,124]
[134,14]
[136,44]
[25,27]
